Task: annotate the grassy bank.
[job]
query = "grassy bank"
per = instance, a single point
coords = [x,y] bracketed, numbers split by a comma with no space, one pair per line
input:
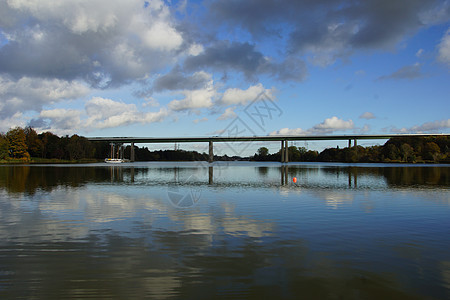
[35,160]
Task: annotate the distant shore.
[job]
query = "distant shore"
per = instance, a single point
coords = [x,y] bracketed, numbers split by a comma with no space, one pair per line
[53,161]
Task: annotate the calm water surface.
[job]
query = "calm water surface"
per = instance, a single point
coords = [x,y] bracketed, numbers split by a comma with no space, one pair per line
[226,230]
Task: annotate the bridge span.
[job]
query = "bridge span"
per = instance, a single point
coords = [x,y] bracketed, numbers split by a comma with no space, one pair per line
[270,138]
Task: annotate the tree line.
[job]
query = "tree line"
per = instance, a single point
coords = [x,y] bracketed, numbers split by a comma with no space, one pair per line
[398,149]
[24,144]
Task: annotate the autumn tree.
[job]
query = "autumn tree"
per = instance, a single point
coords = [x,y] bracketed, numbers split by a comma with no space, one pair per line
[4,147]
[17,143]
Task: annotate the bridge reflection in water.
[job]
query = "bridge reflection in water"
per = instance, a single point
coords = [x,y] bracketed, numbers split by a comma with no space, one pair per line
[31,178]
[308,175]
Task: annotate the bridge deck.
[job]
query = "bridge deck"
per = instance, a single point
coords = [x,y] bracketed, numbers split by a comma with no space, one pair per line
[256,138]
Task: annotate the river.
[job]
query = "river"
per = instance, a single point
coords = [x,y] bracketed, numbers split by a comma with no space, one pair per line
[193,230]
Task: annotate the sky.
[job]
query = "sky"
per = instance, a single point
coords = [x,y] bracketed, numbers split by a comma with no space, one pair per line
[225,68]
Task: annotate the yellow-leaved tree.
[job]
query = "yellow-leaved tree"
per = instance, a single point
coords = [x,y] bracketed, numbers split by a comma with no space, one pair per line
[17,143]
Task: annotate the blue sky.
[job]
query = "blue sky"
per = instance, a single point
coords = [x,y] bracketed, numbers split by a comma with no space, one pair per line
[195,68]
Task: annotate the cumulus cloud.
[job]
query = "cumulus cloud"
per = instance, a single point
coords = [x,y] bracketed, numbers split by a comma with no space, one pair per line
[333,124]
[290,131]
[228,114]
[244,58]
[326,31]
[406,72]
[177,80]
[227,55]
[444,49]
[28,93]
[195,99]
[99,113]
[8,122]
[63,119]
[328,126]
[367,115]
[106,45]
[107,113]
[433,127]
[238,96]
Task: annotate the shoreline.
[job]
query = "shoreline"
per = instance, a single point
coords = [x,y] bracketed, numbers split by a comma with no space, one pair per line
[52,161]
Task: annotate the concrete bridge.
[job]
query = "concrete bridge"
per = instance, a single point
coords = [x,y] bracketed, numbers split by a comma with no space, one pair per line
[280,138]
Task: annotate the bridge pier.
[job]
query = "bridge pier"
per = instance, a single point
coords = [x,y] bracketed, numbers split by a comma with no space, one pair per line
[132,152]
[286,152]
[211,152]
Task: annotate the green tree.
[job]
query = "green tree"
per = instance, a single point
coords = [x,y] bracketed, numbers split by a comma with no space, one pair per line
[50,143]
[407,153]
[17,143]
[76,148]
[263,151]
[4,147]
[34,144]
[391,152]
[294,153]
[310,155]
[431,151]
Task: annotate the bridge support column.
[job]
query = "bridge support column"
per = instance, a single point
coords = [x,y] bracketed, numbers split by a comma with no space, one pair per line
[282,151]
[211,152]
[132,152]
[286,152]
[349,143]
[210,175]
[354,143]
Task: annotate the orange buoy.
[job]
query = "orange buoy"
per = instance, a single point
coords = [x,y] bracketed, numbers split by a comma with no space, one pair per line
[294,179]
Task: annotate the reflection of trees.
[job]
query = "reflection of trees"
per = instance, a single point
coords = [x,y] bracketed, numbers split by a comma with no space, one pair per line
[263,171]
[28,179]
[129,246]
[398,176]
[20,179]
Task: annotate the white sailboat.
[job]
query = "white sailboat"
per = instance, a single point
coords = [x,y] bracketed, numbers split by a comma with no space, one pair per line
[113,160]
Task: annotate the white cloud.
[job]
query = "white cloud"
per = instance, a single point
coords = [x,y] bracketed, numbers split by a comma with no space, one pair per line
[196,121]
[328,126]
[333,124]
[289,131]
[237,96]
[195,99]
[444,49]
[107,113]
[228,114]
[196,49]
[15,120]
[419,52]
[79,16]
[434,126]
[106,44]
[63,119]
[28,93]
[99,113]
[367,115]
